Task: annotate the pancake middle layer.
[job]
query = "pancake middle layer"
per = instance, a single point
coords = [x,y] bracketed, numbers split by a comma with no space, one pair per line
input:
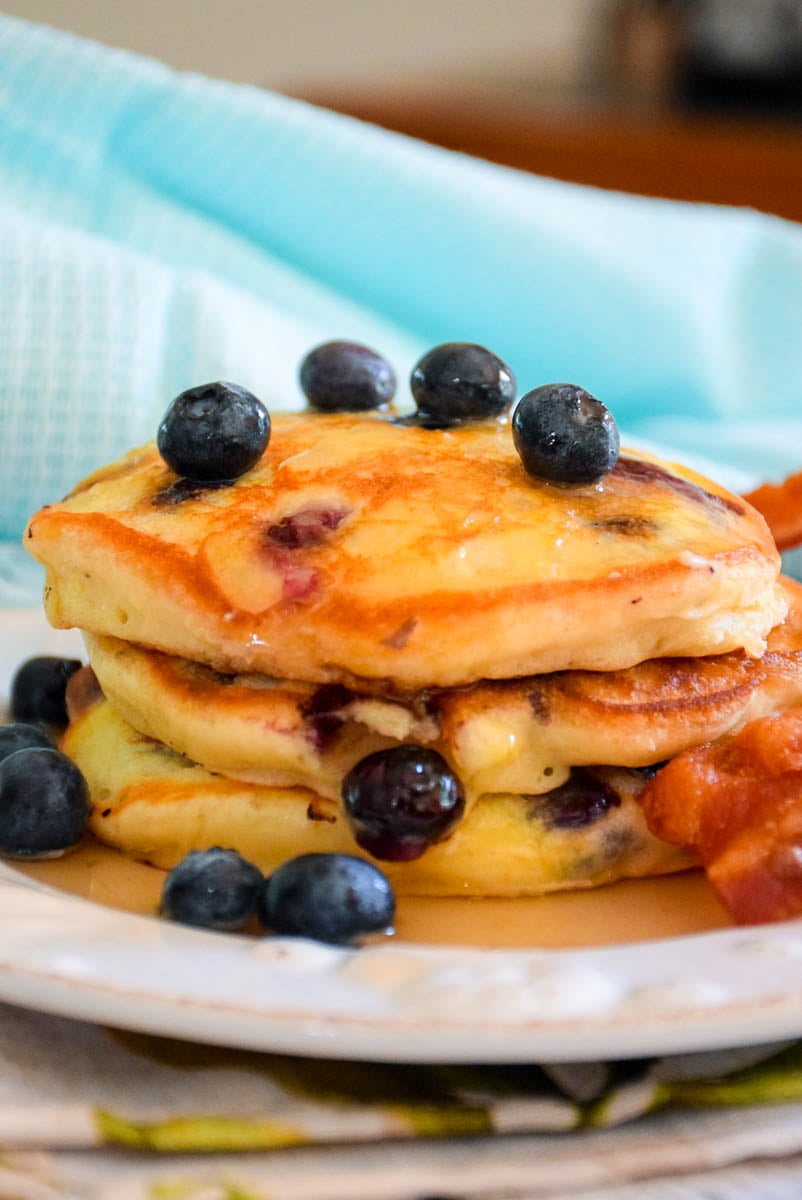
[379,555]
[520,735]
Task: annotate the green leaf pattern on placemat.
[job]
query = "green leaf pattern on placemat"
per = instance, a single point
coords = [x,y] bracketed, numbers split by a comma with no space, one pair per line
[312,1101]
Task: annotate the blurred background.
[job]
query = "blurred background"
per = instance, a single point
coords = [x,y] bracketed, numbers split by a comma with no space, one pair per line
[691,99]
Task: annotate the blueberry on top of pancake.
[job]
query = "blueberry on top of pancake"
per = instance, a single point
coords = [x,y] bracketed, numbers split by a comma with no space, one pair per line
[214,432]
[565,435]
[346,377]
[460,381]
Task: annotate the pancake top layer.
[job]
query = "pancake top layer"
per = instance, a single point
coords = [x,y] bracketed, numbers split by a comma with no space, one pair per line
[363,549]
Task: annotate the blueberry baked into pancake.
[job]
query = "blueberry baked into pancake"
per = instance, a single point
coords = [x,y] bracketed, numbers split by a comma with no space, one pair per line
[459,643]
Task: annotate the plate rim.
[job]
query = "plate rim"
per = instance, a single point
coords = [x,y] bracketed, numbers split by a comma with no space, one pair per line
[396,991]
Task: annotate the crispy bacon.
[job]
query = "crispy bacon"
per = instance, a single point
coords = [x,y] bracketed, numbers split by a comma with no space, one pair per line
[781,505]
[737,805]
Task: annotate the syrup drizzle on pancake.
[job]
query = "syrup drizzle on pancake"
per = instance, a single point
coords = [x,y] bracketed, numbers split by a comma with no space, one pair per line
[345,554]
[639,469]
[182,490]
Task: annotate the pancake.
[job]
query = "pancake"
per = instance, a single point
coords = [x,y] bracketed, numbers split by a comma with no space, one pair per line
[521,735]
[157,806]
[253,727]
[393,558]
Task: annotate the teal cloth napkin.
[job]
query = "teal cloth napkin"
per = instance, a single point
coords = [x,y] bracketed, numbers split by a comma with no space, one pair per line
[158,230]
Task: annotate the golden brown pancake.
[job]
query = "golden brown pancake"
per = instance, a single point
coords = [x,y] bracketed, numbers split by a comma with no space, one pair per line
[157,806]
[252,727]
[521,735]
[380,555]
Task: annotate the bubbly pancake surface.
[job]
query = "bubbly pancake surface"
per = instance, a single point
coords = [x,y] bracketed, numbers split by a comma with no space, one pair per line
[157,806]
[360,550]
[521,735]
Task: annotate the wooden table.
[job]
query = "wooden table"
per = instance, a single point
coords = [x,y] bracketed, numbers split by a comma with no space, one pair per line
[653,151]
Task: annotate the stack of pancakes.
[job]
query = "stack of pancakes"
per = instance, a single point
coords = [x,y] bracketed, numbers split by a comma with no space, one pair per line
[370,583]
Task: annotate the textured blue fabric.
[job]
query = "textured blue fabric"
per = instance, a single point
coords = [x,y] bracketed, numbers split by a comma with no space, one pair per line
[158,230]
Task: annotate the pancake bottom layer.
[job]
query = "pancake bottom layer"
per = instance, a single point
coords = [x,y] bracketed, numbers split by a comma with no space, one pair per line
[156,805]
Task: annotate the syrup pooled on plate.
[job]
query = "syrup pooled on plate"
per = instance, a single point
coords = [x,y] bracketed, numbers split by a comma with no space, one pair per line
[630,911]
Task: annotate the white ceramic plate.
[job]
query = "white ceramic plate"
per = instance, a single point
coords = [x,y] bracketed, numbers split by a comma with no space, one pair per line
[393,1001]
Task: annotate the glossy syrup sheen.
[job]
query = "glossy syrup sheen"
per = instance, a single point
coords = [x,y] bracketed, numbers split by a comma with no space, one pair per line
[345,553]
[388,491]
[631,911]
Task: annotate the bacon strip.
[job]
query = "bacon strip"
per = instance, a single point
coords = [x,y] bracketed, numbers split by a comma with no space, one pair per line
[737,806]
[781,505]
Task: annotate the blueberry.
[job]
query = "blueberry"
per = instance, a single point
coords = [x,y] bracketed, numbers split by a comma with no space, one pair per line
[329,897]
[214,432]
[22,737]
[580,801]
[399,801]
[460,381]
[565,435]
[215,889]
[346,377]
[38,690]
[44,804]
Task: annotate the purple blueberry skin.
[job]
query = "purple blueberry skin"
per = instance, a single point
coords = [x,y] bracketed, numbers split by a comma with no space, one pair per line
[44,804]
[460,381]
[580,801]
[214,432]
[39,688]
[565,435]
[335,898]
[23,736]
[346,377]
[399,801]
[212,889]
